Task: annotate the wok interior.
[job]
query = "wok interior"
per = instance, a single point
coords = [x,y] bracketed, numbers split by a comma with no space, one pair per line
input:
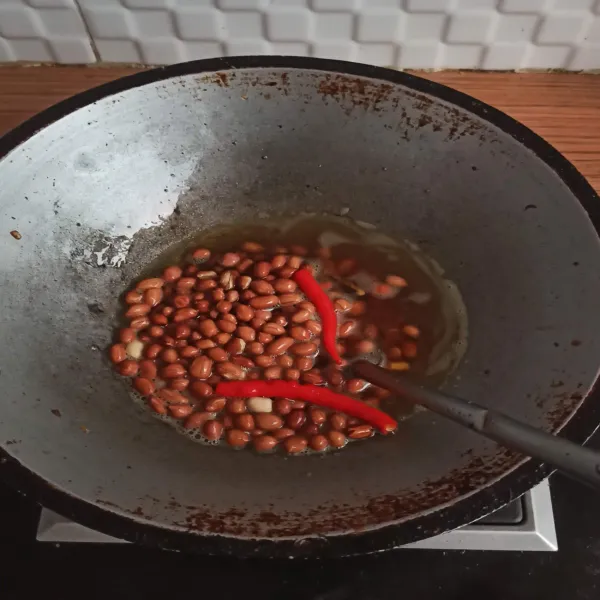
[102,192]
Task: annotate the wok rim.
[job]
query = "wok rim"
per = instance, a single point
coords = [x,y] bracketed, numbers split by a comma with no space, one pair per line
[581,425]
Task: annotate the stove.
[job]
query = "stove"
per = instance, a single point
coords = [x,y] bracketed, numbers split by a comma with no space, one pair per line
[525,524]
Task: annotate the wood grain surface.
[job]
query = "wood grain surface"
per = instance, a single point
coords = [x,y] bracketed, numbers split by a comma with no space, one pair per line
[564,108]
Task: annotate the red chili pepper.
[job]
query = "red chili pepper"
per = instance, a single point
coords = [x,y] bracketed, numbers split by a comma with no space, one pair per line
[309,393]
[315,293]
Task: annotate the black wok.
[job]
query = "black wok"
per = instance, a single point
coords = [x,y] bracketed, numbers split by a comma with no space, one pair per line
[102,183]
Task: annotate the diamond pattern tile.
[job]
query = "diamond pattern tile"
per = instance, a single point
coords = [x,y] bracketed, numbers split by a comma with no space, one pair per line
[469,28]
[406,34]
[43,30]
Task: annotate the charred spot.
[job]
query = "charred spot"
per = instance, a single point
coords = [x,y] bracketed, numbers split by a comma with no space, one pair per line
[95,308]
[222,79]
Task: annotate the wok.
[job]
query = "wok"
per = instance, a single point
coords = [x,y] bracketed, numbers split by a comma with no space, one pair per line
[101,184]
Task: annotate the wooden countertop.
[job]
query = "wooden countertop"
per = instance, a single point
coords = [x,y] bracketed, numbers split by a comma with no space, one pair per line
[564,108]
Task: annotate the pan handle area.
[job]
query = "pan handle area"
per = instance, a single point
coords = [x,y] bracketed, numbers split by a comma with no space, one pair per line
[581,464]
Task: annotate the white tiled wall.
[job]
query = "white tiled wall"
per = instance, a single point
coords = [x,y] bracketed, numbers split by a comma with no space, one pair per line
[43,30]
[417,34]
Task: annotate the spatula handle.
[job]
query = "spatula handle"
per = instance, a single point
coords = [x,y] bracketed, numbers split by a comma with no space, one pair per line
[579,463]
